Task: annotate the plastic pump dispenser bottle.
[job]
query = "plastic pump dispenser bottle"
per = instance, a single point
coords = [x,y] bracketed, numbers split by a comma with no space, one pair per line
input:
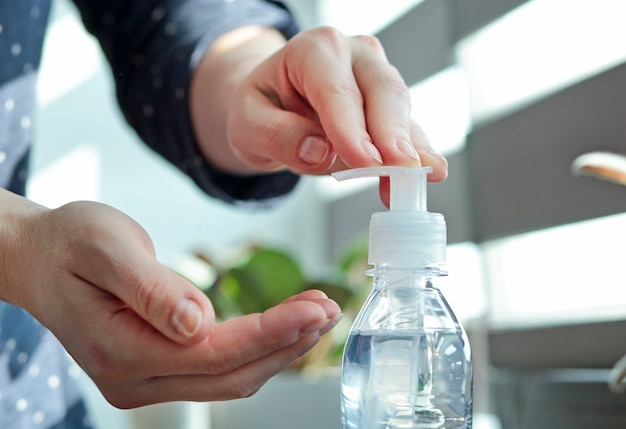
[407,362]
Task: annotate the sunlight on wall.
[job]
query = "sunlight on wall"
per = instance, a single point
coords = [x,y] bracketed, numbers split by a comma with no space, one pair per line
[571,273]
[73,177]
[465,286]
[66,43]
[538,48]
[362,16]
[441,106]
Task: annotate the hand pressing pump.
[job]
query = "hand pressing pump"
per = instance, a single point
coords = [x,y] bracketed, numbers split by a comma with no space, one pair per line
[407,362]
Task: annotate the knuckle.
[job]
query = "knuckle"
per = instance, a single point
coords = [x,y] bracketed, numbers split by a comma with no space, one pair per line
[273,138]
[343,89]
[267,136]
[399,126]
[271,135]
[393,81]
[147,295]
[349,89]
[318,40]
[370,42]
[104,367]
[329,34]
[113,376]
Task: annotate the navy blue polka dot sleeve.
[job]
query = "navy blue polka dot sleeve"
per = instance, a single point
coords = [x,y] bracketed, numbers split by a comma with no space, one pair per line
[153,47]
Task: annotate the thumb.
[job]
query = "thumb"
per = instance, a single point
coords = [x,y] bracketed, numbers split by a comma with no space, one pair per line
[170,303]
[164,299]
[282,138]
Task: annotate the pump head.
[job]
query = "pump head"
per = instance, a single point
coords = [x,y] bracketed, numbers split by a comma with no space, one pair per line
[406,236]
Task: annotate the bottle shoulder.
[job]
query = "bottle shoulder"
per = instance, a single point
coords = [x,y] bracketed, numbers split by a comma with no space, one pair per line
[405,308]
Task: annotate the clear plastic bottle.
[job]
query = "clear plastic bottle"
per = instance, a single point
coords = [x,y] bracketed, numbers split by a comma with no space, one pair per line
[407,363]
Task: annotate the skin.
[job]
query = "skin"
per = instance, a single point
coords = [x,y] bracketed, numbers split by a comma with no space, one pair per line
[320,103]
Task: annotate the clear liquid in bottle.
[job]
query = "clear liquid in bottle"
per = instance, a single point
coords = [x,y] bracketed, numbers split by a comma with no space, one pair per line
[405,380]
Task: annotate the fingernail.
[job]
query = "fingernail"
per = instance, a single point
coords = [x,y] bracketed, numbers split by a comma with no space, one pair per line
[372,151]
[313,150]
[331,323]
[187,318]
[407,148]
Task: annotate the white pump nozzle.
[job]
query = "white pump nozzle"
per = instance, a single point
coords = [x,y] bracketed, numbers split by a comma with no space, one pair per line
[406,236]
[407,185]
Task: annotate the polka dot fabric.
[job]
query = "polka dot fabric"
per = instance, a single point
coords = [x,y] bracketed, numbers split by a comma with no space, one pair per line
[20,52]
[37,379]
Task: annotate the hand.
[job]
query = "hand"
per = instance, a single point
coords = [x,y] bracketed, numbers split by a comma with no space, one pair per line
[143,333]
[326,102]
[320,103]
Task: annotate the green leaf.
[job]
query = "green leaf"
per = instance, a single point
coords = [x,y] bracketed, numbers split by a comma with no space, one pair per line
[267,278]
[224,295]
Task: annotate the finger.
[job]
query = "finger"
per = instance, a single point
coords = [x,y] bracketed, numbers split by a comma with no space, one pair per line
[388,112]
[428,155]
[173,305]
[387,102]
[310,294]
[331,307]
[323,77]
[244,339]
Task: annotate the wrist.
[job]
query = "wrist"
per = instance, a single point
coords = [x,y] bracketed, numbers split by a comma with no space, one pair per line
[16,238]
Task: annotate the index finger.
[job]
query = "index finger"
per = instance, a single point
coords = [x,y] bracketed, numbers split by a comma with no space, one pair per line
[363,104]
[325,78]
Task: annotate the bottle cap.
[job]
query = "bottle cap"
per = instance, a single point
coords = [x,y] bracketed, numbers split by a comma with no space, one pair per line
[408,235]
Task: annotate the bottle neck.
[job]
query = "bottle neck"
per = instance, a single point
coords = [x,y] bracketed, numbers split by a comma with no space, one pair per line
[422,278]
[405,299]
[420,271]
